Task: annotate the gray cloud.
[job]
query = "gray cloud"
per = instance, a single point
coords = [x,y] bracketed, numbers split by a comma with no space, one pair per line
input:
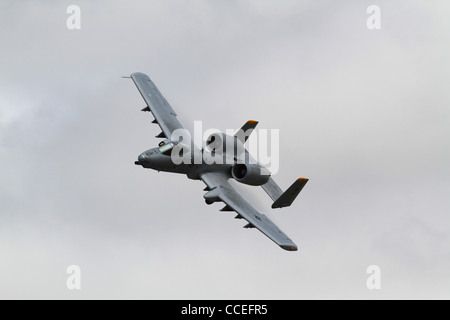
[364,114]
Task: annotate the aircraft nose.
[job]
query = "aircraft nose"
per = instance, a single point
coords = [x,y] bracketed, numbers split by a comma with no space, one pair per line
[141,159]
[145,157]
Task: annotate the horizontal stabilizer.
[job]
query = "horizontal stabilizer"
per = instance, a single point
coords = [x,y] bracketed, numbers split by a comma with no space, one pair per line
[286,199]
[161,135]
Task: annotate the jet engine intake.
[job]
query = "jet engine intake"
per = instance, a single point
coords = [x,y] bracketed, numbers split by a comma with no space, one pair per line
[251,174]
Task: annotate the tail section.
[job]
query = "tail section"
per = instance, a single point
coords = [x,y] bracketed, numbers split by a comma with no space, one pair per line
[283,199]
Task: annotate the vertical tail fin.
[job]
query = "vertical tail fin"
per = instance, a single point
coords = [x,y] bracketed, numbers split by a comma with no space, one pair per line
[283,199]
[246,130]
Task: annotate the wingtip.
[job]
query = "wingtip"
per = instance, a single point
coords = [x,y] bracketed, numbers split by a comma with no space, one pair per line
[252,122]
[290,247]
[135,74]
[303,179]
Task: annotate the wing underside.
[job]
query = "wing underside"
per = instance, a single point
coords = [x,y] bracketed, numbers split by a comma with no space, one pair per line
[221,190]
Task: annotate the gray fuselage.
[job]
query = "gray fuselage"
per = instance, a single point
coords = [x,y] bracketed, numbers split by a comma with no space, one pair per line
[156,160]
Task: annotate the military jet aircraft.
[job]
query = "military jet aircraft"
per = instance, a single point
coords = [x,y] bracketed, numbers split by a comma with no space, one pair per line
[242,167]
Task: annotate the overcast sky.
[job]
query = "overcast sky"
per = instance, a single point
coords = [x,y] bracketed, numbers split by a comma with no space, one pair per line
[364,114]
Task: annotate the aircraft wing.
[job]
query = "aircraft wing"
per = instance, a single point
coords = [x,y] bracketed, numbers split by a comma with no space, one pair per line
[221,190]
[164,115]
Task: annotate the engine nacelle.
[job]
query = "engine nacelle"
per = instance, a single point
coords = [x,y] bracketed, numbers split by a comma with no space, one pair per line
[221,143]
[252,174]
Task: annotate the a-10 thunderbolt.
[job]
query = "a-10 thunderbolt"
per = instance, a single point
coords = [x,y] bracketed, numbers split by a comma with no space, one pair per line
[224,157]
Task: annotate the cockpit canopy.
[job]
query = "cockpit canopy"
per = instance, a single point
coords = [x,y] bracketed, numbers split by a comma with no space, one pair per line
[167,148]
